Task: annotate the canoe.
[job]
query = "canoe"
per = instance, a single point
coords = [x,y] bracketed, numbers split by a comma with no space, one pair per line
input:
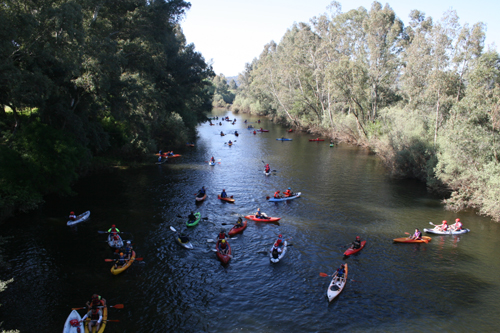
[268,219]
[228,199]
[111,242]
[348,252]
[187,245]
[73,327]
[224,258]
[263,130]
[174,156]
[280,256]
[267,173]
[425,239]
[316,139]
[294,196]
[195,222]
[124,267]
[437,232]
[235,230]
[337,285]
[103,323]
[284,139]
[80,218]
[201,198]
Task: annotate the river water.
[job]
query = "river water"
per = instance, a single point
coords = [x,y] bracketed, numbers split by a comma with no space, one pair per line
[450,284]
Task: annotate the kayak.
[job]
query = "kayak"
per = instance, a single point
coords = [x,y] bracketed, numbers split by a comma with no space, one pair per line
[168,156]
[229,144]
[195,222]
[80,218]
[224,258]
[186,245]
[425,239]
[124,267]
[290,130]
[294,196]
[284,139]
[437,232]
[268,219]
[111,242]
[190,144]
[331,144]
[348,252]
[267,173]
[316,140]
[263,130]
[103,323]
[73,324]
[211,163]
[225,199]
[280,255]
[236,230]
[201,198]
[337,285]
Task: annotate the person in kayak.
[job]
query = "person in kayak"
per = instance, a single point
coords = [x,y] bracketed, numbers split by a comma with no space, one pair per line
[120,261]
[223,194]
[417,234]
[220,124]
[128,250]
[258,121]
[442,227]
[229,142]
[457,226]
[356,244]
[236,133]
[223,247]
[267,168]
[288,193]
[222,235]
[245,121]
[191,217]
[340,271]
[279,242]
[201,192]
[113,229]
[96,300]
[221,133]
[260,215]
[95,315]
[72,216]
[254,132]
[239,223]
[261,129]
[212,160]
[277,195]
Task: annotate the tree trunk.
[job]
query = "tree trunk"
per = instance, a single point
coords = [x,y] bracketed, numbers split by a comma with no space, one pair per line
[437,118]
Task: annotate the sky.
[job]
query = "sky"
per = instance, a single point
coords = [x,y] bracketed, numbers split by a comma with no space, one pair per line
[231,33]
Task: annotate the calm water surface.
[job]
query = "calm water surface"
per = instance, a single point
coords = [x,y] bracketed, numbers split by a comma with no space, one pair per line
[450,284]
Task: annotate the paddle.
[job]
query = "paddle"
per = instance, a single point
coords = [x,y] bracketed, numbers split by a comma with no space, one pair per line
[117,306]
[213,240]
[113,260]
[185,217]
[229,255]
[173,229]
[326,275]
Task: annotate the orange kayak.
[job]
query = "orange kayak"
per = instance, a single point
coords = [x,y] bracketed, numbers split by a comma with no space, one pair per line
[425,239]
[226,199]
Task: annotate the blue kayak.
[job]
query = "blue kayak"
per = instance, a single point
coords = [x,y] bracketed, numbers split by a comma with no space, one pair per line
[294,196]
[284,139]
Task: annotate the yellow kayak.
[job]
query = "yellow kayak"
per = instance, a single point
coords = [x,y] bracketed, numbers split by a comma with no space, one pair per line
[103,323]
[124,267]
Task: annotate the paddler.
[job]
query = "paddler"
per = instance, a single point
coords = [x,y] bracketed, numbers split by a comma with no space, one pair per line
[267,168]
[442,227]
[120,261]
[254,132]
[288,193]
[128,250]
[223,246]
[229,142]
[279,242]
[457,226]
[223,194]
[212,160]
[95,315]
[191,217]
[356,244]
[260,215]
[417,234]
[222,235]
[221,133]
[72,216]
[239,223]
[340,271]
[277,195]
[96,300]
[201,192]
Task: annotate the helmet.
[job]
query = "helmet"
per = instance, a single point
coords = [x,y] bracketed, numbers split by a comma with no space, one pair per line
[121,253]
[223,241]
[128,242]
[289,188]
[224,190]
[95,296]
[72,213]
[278,191]
[444,222]
[280,236]
[113,226]
[358,238]
[457,220]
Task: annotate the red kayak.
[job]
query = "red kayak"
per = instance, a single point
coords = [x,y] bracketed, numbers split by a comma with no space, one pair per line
[290,130]
[228,199]
[348,252]
[268,219]
[223,257]
[236,230]
[316,140]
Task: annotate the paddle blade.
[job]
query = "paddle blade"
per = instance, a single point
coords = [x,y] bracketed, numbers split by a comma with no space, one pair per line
[109,260]
[78,308]
[267,198]
[323,274]
[117,306]
[407,233]
[173,229]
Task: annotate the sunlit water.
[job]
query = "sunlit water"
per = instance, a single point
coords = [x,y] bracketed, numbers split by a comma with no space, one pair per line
[450,284]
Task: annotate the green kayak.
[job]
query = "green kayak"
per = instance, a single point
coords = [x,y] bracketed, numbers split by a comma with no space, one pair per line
[195,222]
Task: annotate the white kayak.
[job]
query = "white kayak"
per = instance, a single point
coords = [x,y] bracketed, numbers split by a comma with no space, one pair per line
[111,242]
[73,323]
[337,285]
[186,244]
[280,255]
[267,173]
[294,196]
[211,163]
[449,232]
[80,218]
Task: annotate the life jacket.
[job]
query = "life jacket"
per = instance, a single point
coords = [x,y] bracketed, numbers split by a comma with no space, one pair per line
[128,249]
[115,236]
[223,195]
[277,195]
[278,243]
[356,244]
[72,217]
[287,193]
[94,315]
[222,235]
[458,226]
[121,260]
[223,246]
[418,235]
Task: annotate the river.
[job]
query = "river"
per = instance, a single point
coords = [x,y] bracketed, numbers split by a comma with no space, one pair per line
[450,284]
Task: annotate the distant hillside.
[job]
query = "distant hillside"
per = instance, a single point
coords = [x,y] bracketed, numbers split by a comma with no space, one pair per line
[235,78]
